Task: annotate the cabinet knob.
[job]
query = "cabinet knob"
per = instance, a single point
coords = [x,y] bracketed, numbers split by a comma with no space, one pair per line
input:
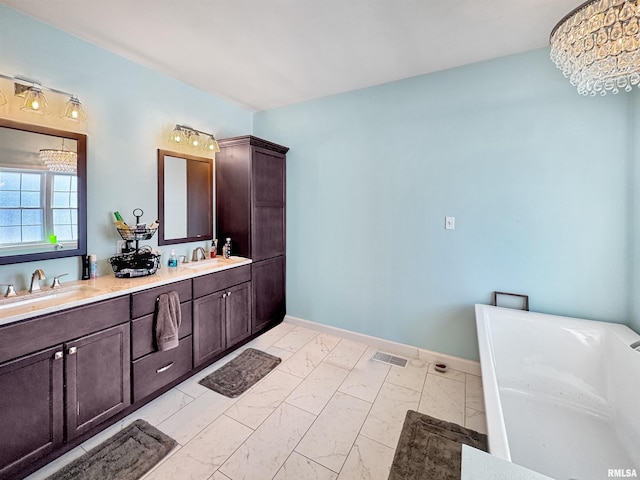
[57,355]
[229,293]
[73,350]
[224,295]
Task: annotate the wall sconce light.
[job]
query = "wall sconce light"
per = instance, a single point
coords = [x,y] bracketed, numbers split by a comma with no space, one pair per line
[196,139]
[73,110]
[34,100]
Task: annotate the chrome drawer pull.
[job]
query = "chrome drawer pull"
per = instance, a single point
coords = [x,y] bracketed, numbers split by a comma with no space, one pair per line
[73,350]
[57,355]
[165,368]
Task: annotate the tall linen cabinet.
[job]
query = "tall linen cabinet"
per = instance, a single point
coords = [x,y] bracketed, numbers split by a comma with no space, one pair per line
[250,209]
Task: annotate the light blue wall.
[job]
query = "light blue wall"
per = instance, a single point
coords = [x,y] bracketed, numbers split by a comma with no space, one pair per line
[536,176]
[634,221]
[130,108]
[540,181]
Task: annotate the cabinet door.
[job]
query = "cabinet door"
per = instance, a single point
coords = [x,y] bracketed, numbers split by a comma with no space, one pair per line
[238,304]
[208,327]
[268,283]
[98,378]
[268,204]
[31,409]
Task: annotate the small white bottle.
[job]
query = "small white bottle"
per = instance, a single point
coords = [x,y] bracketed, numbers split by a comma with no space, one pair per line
[226,249]
[93,266]
[173,260]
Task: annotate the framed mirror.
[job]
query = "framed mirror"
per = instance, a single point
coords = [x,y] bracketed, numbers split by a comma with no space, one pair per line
[43,193]
[185,198]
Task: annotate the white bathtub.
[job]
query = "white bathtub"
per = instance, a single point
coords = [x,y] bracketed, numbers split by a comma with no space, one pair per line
[562,395]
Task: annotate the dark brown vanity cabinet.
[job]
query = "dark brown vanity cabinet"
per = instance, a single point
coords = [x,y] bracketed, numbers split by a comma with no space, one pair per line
[250,209]
[61,375]
[97,378]
[268,279]
[31,409]
[153,369]
[221,312]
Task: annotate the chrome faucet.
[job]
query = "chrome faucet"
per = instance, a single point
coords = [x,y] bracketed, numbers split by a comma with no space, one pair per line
[35,280]
[56,281]
[194,257]
[11,292]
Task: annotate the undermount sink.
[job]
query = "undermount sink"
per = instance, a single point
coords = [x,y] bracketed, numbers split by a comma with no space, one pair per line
[47,294]
[204,264]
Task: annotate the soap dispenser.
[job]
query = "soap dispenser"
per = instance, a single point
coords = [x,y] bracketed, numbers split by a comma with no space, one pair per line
[226,249]
[173,260]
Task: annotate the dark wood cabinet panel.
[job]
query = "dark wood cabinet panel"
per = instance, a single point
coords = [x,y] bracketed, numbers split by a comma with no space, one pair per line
[238,314]
[268,177]
[23,338]
[208,327]
[31,409]
[253,168]
[250,175]
[143,335]
[215,282]
[268,229]
[268,281]
[154,371]
[144,303]
[233,196]
[221,320]
[97,370]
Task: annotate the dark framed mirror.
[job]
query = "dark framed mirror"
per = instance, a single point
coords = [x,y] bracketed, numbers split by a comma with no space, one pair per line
[185,198]
[43,193]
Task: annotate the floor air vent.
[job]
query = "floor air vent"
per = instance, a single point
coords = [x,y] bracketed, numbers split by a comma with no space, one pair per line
[390,359]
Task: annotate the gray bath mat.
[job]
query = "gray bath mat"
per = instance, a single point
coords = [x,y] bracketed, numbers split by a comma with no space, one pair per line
[241,373]
[429,448]
[127,455]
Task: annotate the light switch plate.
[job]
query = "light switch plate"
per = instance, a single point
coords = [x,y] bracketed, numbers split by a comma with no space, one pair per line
[449,223]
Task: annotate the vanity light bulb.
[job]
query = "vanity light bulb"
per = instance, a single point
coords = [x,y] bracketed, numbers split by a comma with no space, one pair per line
[35,102]
[73,110]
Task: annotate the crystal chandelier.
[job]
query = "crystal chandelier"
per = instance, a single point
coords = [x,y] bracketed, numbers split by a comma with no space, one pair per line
[59,160]
[597,46]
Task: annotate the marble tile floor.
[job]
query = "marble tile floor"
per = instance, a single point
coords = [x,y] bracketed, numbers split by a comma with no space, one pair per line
[327,412]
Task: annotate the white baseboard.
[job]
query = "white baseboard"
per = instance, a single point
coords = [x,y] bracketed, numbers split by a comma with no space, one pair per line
[456,363]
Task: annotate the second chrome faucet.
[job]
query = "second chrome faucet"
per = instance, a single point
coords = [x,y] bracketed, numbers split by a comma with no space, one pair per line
[194,256]
[35,280]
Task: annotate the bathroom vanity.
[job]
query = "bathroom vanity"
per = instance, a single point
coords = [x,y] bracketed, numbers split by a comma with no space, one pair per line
[71,366]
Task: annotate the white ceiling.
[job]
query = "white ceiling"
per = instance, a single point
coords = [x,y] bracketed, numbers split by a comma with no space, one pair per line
[263,54]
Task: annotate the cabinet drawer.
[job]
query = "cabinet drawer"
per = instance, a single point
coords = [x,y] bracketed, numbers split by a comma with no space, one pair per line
[214,282]
[143,332]
[154,371]
[22,338]
[144,303]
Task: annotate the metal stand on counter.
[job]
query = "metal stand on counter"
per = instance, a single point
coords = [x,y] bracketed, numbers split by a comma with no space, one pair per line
[141,261]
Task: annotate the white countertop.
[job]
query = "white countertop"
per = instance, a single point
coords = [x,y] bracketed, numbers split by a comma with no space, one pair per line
[82,292]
